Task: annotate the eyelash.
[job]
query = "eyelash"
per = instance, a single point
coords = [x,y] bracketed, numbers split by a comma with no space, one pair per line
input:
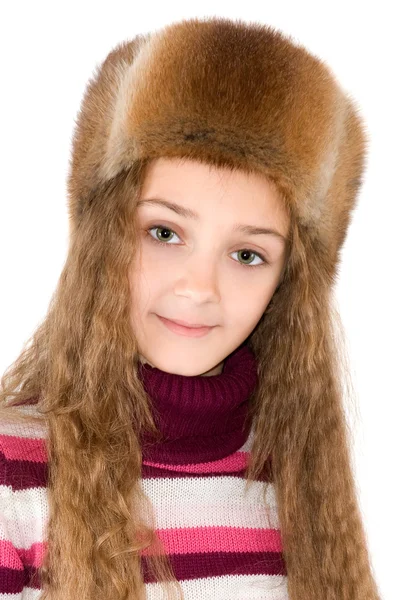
[158,242]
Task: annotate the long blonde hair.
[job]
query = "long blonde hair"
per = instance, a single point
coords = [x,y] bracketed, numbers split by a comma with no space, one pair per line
[81,365]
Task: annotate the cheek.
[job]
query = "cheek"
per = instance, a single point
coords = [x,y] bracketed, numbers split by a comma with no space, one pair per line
[247,303]
[150,278]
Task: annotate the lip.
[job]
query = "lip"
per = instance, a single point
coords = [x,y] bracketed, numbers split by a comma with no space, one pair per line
[186,331]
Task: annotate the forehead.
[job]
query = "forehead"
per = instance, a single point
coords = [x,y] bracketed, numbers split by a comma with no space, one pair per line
[201,187]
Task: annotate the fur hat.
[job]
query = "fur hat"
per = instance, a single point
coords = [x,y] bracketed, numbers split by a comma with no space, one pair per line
[225,92]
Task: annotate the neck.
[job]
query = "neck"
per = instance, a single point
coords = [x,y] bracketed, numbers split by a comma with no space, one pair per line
[214,371]
[200,418]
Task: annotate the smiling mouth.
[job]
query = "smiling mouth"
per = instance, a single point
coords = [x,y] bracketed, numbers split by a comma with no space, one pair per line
[185,324]
[183,330]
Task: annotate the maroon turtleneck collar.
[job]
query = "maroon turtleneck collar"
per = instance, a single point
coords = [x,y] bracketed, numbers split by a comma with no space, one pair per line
[201,418]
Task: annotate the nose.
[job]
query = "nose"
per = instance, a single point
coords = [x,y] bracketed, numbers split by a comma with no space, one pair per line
[198,279]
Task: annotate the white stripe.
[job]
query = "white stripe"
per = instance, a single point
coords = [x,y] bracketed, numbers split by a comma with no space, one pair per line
[24,429]
[26,513]
[206,501]
[27,593]
[234,587]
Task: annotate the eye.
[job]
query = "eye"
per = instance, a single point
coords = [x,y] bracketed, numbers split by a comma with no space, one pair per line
[164,228]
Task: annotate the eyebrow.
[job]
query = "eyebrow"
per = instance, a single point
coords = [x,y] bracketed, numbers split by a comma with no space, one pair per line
[191,214]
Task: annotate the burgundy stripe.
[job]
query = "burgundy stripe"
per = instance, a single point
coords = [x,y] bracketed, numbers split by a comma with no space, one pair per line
[30,578]
[214,564]
[12,580]
[197,565]
[25,474]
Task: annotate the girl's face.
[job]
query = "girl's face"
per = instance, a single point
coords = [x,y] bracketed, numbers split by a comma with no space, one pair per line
[200,267]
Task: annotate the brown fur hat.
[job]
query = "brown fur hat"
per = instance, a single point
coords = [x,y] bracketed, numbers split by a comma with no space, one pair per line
[225,92]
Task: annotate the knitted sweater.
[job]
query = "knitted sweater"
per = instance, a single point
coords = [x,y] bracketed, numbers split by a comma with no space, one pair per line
[221,543]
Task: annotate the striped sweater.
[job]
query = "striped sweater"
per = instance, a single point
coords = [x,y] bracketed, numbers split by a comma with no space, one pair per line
[221,542]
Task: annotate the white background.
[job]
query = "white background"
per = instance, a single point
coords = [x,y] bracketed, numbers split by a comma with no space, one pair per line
[48,50]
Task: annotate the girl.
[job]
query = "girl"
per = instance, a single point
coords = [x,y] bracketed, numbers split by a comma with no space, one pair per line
[177,422]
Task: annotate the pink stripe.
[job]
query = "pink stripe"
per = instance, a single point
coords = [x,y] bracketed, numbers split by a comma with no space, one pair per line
[34,555]
[230,464]
[9,556]
[16,558]
[218,539]
[20,448]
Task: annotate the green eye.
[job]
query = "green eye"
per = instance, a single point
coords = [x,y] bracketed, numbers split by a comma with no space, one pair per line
[247,252]
[162,229]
